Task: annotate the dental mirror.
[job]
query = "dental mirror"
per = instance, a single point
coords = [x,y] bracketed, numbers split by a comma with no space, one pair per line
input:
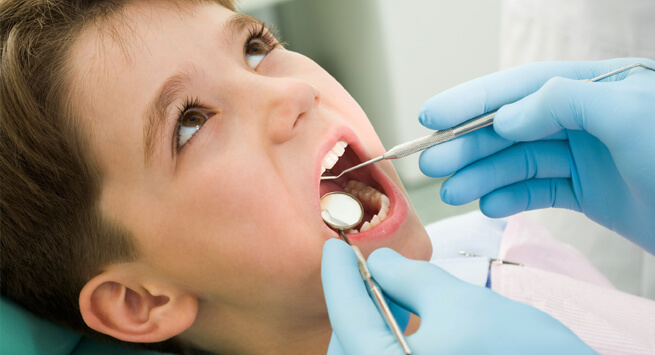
[341,211]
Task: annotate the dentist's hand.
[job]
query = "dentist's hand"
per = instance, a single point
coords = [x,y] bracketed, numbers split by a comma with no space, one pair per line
[589,147]
[456,317]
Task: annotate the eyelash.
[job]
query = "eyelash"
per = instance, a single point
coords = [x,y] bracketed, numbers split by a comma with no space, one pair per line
[256,32]
[264,34]
[188,104]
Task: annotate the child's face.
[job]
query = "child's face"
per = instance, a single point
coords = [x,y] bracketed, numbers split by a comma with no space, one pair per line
[232,215]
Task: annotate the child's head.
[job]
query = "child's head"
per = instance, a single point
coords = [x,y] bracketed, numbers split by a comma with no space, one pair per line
[161,164]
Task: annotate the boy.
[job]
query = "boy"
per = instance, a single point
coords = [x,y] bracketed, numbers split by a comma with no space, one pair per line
[160,171]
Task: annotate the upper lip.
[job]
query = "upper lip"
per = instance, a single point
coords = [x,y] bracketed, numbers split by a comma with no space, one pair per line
[340,135]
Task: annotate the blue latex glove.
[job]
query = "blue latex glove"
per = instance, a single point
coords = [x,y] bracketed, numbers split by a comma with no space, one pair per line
[456,317]
[565,143]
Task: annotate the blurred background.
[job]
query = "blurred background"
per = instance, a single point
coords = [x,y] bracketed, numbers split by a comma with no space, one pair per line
[392,56]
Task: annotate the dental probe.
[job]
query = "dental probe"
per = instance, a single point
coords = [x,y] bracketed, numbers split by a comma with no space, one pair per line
[491,260]
[486,119]
[342,211]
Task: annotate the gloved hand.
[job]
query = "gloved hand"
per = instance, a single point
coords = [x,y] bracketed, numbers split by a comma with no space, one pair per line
[585,146]
[456,317]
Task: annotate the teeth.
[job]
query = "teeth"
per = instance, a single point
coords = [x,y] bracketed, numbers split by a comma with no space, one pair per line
[333,155]
[371,199]
[366,226]
[383,212]
[330,159]
[340,147]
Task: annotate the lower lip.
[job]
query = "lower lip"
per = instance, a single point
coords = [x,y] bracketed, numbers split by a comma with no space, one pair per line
[397,211]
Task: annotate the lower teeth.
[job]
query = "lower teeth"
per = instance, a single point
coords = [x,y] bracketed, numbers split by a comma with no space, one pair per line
[371,199]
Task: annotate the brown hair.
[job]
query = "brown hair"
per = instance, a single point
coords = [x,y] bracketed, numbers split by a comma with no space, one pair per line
[53,236]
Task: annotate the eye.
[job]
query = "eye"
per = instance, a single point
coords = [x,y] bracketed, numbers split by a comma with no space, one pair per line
[260,42]
[255,52]
[189,123]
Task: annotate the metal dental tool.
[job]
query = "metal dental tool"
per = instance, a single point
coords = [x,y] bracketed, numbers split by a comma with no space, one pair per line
[491,260]
[342,211]
[438,137]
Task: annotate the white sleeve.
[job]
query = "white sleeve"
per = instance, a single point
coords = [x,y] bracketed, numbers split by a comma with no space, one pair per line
[473,233]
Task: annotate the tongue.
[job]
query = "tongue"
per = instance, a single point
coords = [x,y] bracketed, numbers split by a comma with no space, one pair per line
[329,186]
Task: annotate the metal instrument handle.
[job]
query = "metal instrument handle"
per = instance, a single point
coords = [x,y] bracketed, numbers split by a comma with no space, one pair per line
[377,296]
[417,145]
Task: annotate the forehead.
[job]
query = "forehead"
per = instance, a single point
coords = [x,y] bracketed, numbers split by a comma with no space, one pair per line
[118,63]
[140,29]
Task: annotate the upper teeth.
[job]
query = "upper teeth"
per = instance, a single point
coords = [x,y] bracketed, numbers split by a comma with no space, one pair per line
[333,155]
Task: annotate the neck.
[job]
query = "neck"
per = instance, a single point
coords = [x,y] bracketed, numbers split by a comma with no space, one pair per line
[262,332]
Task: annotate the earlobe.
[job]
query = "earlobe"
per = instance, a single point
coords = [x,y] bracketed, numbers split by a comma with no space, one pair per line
[114,303]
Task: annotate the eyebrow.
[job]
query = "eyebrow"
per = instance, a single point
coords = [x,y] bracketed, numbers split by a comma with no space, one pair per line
[237,23]
[177,84]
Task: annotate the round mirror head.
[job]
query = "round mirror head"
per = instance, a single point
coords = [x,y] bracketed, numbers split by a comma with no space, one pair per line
[341,210]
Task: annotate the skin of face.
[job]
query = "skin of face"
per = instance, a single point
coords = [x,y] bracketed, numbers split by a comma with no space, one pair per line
[233,218]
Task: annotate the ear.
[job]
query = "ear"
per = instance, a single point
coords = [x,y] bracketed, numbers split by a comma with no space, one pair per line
[122,305]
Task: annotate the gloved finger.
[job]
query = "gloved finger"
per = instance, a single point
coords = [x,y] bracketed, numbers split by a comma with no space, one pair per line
[335,348]
[530,195]
[486,94]
[560,104]
[415,285]
[570,104]
[524,161]
[433,294]
[445,159]
[459,317]
[492,91]
[355,320]
[399,313]
[402,318]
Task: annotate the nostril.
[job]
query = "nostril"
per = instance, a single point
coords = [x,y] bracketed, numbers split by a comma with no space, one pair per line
[313,106]
[317,97]
[298,119]
[291,100]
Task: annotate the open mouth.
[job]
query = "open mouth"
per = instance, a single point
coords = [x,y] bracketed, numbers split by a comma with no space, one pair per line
[359,183]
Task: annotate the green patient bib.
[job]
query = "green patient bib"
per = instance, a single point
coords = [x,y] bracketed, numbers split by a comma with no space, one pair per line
[22,333]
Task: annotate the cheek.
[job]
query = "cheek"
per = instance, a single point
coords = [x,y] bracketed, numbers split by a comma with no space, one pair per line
[419,246]
[244,221]
[223,194]
[411,240]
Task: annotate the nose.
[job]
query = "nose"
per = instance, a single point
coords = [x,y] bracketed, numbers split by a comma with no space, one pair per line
[289,100]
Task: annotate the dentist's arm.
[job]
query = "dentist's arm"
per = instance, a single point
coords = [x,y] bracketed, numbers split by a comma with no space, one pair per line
[564,143]
[456,317]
